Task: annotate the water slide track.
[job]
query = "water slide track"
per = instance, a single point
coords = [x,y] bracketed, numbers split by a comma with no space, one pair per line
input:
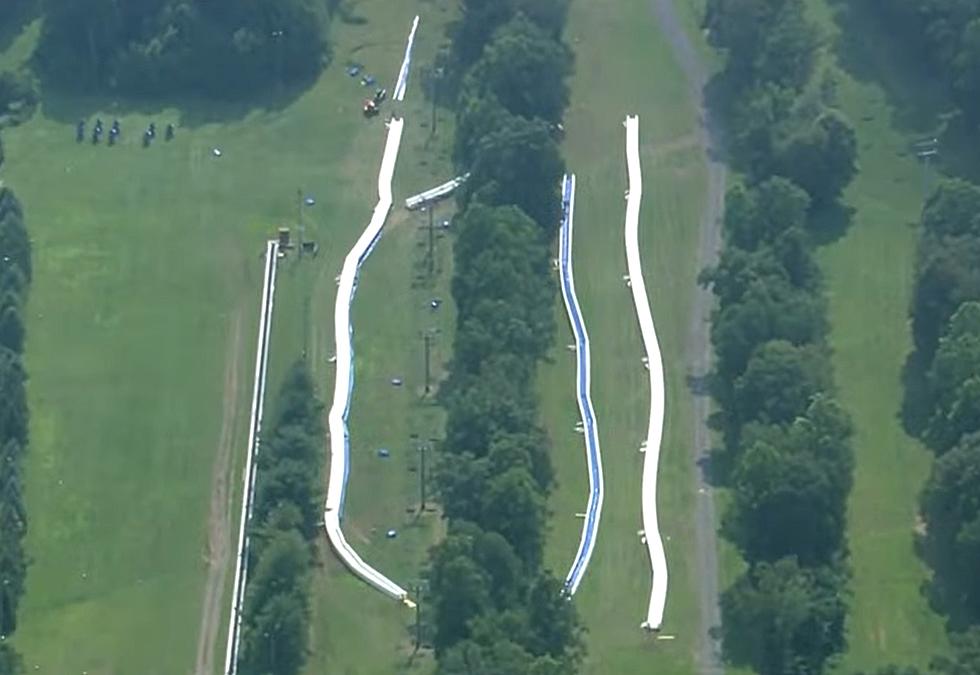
[344,376]
[583,378]
[654,363]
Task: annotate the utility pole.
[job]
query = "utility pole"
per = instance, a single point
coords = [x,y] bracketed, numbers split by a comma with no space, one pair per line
[427,338]
[418,617]
[422,448]
[432,243]
[299,217]
[436,77]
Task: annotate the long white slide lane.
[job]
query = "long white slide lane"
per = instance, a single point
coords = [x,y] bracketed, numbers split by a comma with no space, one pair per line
[583,393]
[343,333]
[344,382]
[654,362]
[402,83]
[254,434]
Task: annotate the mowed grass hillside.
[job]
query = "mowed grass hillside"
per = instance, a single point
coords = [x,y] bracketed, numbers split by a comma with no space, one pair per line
[356,629]
[869,274]
[624,66]
[148,275]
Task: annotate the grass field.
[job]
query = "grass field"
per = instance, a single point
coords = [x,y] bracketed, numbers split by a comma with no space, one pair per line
[145,298]
[869,277]
[623,65]
[357,630]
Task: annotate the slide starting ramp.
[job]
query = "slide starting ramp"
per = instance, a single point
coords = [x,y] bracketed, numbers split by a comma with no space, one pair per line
[655,366]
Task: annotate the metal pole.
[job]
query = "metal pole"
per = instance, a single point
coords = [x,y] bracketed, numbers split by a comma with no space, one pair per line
[418,617]
[426,339]
[432,244]
[435,95]
[299,217]
[422,449]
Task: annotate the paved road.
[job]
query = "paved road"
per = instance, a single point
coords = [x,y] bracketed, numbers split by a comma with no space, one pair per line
[696,73]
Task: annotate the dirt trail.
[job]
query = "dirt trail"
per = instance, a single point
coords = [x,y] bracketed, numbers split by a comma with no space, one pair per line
[219,515]
[699,356]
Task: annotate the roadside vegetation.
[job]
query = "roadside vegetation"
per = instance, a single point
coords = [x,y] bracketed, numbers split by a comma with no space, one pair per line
[496,610]
[276,622]
[786,441]
[15,277]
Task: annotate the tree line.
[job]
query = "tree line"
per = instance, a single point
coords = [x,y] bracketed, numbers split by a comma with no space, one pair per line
[947,34]
[786,454]
[286,512]
[15,277]
[155,47]
[945,316]
[495,609]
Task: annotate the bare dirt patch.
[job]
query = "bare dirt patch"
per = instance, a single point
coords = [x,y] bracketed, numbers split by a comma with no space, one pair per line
[218,547]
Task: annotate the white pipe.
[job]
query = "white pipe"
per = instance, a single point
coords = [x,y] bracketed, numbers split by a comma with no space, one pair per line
[254,435]
[583,381]
[651,458]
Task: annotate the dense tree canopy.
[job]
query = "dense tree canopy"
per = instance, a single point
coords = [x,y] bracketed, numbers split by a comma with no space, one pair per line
[782,619]
[951,506]
[493,608]
[947,34]
[787,452]
[15,271]
[275,624]
[163,46]
[518,69]
[519,164]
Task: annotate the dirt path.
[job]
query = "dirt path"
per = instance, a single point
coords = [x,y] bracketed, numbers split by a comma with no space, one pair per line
[219,515]
[699,356]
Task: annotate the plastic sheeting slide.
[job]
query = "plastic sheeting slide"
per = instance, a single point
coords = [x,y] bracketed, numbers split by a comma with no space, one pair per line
[654,362]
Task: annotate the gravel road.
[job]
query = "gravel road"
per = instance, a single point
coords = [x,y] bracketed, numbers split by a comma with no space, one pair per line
[699,355]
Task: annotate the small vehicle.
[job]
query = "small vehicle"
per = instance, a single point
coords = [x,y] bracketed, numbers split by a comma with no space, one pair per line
[367,81]
[380,95]
[370,108]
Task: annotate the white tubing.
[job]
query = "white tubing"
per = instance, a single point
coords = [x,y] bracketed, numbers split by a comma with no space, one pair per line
[254,434]
[651,529]
[583,380]
[402,83]
[344,382]
[343,333]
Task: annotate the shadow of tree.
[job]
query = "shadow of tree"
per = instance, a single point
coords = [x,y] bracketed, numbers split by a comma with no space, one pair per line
[15,15]
[829,222]
[870,50]
[916,400]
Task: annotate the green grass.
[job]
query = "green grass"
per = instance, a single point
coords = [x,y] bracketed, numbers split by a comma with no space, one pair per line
[623,65]
[357,630]
[145,261]
[869,274]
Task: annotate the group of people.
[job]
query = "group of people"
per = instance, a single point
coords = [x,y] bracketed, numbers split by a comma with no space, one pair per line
[114,132]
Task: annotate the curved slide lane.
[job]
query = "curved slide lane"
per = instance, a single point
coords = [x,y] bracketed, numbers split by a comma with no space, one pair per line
[254,434]
[344,383]
[655,366]
[583,377]
[343,334]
